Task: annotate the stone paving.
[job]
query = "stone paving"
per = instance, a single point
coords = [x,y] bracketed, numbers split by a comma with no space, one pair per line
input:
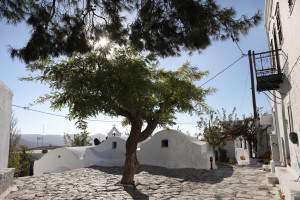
[227,182]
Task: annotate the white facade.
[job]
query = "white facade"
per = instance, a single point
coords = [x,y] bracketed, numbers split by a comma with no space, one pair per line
[110,152]
[282,24]
[173,149]
[5,116]
[114,132]
[285,16]
[179,151]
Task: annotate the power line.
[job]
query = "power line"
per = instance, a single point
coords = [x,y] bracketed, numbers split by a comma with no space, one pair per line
[270,98]
[294,65]
[63,116]
[274,95]
[238,46]
[91,120]
[223,70]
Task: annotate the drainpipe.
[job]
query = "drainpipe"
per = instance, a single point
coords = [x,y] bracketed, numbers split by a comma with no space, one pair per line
[285,132]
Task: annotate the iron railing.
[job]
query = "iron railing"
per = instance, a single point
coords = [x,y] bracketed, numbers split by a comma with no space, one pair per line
[269,62]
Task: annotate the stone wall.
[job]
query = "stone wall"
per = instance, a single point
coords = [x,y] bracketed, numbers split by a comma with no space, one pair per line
[6,178]
[5,115]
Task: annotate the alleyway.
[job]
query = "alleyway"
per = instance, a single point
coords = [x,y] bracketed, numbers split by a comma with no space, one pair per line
[228,182]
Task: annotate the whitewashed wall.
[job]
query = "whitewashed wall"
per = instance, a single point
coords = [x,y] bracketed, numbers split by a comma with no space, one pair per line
[69,158]
[290,89]
[5,115]
[105,155]
[58,160]
[182,151]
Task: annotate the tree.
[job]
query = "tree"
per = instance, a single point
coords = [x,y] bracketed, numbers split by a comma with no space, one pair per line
[216,125]
[247,129]
[80,139]
[65,27]
[212,131]
[215,128]
[14,157]
[25,159]
[18,157]
[124,83]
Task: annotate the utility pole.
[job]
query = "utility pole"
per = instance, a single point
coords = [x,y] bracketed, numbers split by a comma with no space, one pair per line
[252,84]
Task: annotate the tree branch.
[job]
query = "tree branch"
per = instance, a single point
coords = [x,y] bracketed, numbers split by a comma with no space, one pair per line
[148,130]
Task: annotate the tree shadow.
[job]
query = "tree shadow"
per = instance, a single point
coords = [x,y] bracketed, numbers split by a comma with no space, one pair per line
[185,174]
[190,174]
[135,193]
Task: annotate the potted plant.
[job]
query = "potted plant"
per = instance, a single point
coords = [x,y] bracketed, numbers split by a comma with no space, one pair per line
[294,138]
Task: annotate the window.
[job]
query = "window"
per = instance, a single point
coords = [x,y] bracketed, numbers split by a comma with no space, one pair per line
[291,5]
[278,22]
[114,145]
[164,143]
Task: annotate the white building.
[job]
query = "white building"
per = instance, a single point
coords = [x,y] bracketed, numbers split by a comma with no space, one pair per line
[173,149]
[282,24]
[5,116]
[167,148]
[111,152]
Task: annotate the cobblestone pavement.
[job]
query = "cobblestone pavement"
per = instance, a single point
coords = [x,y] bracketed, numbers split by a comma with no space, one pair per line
[227,182]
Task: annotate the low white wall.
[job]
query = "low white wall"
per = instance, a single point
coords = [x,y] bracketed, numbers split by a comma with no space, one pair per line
[57,160]
[68,158]
[242,153]
[105,155]
[182,151]
[5,115]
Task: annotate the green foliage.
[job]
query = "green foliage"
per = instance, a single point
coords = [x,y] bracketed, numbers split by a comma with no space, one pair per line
[216,126]
[294,137]
[61,27]
[80,139]
[18,157]
[25,159]
[14,159]
[214,136]
[20,160]
[123,83]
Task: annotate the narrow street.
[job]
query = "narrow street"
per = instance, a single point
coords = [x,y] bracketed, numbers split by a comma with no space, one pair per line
[228,182]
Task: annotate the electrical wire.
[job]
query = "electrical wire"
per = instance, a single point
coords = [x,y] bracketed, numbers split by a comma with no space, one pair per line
[294,65]
[63,116]
[97,120]
[91,120]
[270,98]
[275,96]
[222,71]
[240,49]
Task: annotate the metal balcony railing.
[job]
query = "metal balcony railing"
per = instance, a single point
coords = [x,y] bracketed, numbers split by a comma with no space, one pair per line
[268,69]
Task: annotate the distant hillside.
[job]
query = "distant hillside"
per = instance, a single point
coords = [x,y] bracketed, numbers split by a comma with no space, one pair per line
[35,140]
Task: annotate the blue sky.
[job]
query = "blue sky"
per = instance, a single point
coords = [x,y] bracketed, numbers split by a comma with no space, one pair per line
[233,86]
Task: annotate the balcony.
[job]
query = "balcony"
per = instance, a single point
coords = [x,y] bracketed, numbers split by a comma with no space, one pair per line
[268,70]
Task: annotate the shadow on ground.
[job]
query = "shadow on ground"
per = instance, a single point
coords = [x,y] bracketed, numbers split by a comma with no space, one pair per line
[186,174]
[135,193]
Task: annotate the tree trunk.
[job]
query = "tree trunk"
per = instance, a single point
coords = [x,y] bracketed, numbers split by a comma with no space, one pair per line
[131,158]
[129,168]
[255,146]
[250,148]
